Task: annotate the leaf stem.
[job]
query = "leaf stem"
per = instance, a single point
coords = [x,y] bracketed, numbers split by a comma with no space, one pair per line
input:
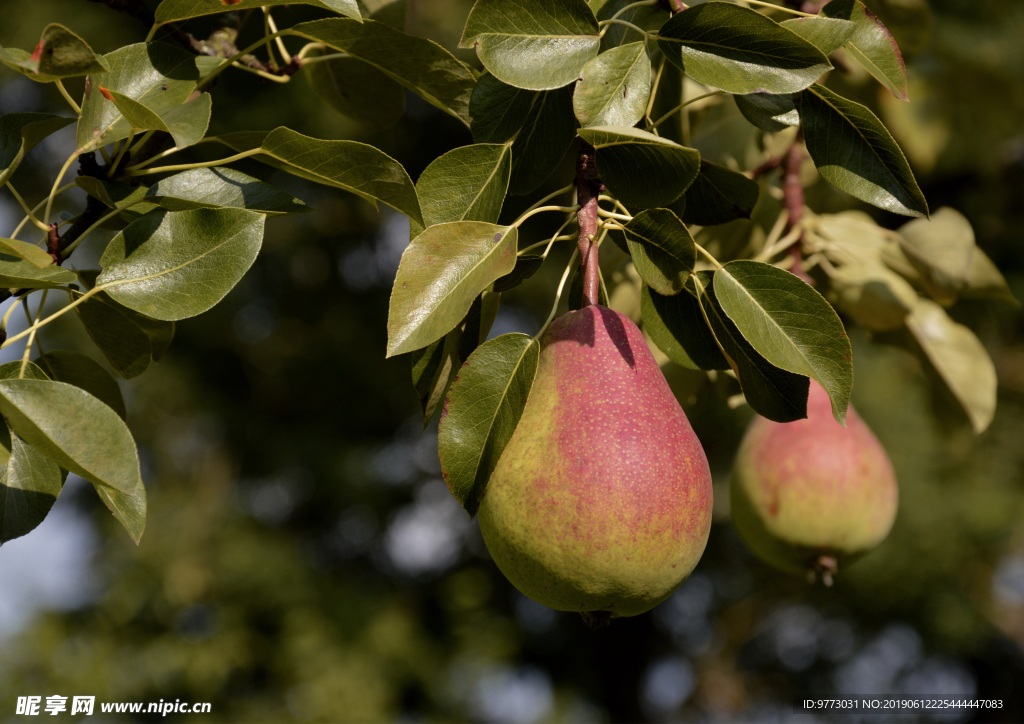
[7,316]
[142,141]
[168,152]
[67,96]
[611,21]
[66,252]
[262,73]
[554,238]
[56,185]
[682,106]
[710,258]
[36,208]
[308,48]
[612,215]
[121,153]
[59,312]
[205,164]
[654,89]
[558,293]
[31,337]
[31,216]
[539,209]
[322,58]
[552,195]
[285,55]
[783,8]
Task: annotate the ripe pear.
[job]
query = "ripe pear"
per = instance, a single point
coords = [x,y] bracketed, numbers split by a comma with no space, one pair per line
[601,501]
[812,496]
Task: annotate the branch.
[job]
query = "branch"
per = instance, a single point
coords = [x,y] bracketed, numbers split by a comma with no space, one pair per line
[588,187]
[793,198]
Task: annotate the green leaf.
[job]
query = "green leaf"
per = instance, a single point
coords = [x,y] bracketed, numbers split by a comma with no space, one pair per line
[160,332]
[872,45]
[482,411]
[187,122]
[59,54]
[643,170]
[676,325]
[159,76]
[126,347]
[826,34]
[719,196]
[985,281]
[942,250]
[174,11]
[172,265]
[130,510]
[959,358]
[20,274]
[197,188]
[855,153]
[433,369]
[354,167]
[875,297]
[526,266]
[465,184]
[534,44]
[769,112]
[12,371]
[442,271]
[740,50]
[420,65]
[73,429]
[790,325]
[662,249]
[540,124]
[614,87]
[773,393]
[357,90]
[75,368]
[19,134]
[29,486]
[29,252]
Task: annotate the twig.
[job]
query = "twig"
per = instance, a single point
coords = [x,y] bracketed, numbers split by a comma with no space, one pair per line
[588,188]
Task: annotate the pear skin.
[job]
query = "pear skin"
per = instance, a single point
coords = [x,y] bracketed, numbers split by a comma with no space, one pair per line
[812,496]
[601,501]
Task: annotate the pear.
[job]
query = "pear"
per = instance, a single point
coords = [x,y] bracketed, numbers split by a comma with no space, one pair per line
[812,496]
[601,501]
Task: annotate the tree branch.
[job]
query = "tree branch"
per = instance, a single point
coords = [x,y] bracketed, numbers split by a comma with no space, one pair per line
[793,198]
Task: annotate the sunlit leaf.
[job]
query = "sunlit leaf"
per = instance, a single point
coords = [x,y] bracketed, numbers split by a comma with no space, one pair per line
[173,265]
[158,76]
[772,392]
[855,153]
[17,273]
[739,50]
[29,252]
[769,112]
[825,34]
[130,510]
[942,250]
[872,45]
[465,184]
[59,54]
[481,413]
[75,368]
[614,87]
[874,296]
[789,324]
[187,122]
[355,167]
[442,271]
[535,44]
[73,429]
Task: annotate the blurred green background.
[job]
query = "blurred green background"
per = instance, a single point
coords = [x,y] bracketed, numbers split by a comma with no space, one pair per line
[303,560]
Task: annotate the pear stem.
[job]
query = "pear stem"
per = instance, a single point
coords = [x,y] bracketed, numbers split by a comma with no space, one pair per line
[588,188]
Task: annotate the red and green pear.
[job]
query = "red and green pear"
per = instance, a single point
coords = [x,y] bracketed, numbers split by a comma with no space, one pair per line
[601,501]
[812,496]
